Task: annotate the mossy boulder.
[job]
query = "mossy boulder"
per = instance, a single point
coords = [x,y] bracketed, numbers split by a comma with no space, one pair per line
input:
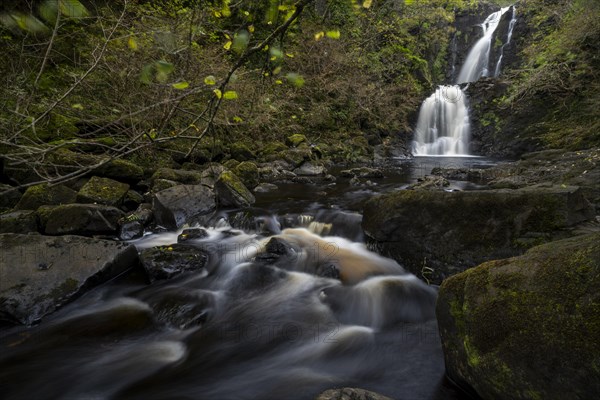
[21,221]
[444,233]
[44,194]
[231,191]
[103,191]
[247,171]
[526,327]
[295,140]
[296,156]
[80,219]
[40,273]
[270,150]
[241,152]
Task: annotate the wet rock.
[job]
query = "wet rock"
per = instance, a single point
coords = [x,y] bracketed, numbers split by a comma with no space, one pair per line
[80,219]
[130,230]
[9,196]
[176,205]
[273,172]
[362,172]
[103,191]
[192,234]
[295,140]
[122,170]
[132,199]
[448,232]
[41,273]
[22,221]
[460,174]
[526,327]
[44,194]
[165,262]
[296,156]
[162,184]
[430,182]
[180,307]
[211,174]
[350,394]
[265,188]
[310,169]
[231,191]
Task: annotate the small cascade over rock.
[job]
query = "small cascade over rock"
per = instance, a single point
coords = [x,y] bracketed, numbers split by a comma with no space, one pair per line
[443,128]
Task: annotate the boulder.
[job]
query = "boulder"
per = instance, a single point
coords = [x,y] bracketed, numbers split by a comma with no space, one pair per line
[430,182]
[80,219]
[176,205]
[211,174]
[447,232]
[44,194]
[178,175]
[165,262]
[297,156]
[295,140]
[41,273]
[350,394]
[526,327]
[241,152]
[247,171]
[130,230]
[310,169]
[362,172]
[20,221]
[232,192]
[103,191]
[9,196]
[265,188]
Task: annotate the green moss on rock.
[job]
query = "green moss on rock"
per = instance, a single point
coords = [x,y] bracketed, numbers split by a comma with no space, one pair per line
[527,327]
[102,191]
[44,194]
[295,140]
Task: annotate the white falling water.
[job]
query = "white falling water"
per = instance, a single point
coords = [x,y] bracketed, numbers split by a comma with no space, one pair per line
[477,63]
[443,128]
[511,26]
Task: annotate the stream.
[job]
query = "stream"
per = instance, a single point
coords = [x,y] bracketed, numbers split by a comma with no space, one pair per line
[290,306]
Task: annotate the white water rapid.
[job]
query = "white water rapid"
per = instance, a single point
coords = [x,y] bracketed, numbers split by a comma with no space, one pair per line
[443,128]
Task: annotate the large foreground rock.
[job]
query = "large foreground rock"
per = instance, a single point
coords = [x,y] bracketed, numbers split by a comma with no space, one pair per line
[165,262]
[38,274]
[176,205]
[452,231]
[527,327]
[350,394]
[232,192]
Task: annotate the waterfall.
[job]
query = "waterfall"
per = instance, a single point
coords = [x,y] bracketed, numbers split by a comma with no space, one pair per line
[511,26]
[477,63]
[443,128]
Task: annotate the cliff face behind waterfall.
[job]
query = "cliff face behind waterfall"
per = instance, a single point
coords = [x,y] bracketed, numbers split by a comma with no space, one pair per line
[350,78]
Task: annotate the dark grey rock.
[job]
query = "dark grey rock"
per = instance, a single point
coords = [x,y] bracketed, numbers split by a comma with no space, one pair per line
[350,394]
[164,262]
[176,205]
[80,219]
[232,192]
[103,191]
[40,273]
[43,194]
[9,196]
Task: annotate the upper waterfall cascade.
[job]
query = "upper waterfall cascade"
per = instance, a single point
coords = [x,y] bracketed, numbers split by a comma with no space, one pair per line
[443,128]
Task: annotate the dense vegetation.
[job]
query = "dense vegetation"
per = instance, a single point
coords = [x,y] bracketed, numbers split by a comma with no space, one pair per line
[122,79]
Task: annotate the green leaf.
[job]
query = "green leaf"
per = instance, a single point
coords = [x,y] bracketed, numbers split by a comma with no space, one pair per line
[227,45]
[367,3]
[164,67]
[210,80]
[29,23]
[237,119]
[230,95]
[181,85]
[240,41]
[77,106]
[49,10]
[72,8]
[333,34]
[218,93]
[132,43]
[146,74]
[295,79]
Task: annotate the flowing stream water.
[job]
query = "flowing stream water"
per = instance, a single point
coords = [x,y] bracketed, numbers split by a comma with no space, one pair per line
[289,306]
[443,127]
